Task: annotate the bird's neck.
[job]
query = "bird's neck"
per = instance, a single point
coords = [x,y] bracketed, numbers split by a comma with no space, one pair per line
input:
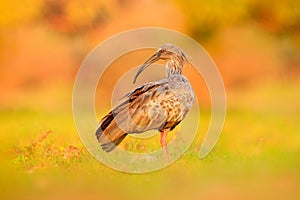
[173,67]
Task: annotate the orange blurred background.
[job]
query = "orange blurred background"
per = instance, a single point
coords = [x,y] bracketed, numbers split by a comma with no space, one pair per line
[44,42]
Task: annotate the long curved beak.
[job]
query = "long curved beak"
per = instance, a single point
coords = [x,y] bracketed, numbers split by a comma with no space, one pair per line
[155,57]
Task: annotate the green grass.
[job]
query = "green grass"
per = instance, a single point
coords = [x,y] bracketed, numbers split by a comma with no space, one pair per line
[257,156]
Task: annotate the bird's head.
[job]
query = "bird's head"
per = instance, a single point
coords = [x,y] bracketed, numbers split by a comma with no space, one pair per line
[172,55]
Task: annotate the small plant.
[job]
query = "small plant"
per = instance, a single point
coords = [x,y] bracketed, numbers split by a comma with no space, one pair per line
[44,153]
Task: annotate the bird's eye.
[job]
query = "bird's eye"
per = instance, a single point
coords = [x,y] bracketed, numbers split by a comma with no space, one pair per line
[162,50]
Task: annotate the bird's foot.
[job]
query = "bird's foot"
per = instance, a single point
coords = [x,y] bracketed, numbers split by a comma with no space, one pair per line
[166,154]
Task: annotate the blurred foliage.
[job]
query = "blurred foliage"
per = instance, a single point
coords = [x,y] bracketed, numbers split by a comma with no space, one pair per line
[62,15]
[75,16]
[15,13]
[248,39]
[277,16]
[205,18]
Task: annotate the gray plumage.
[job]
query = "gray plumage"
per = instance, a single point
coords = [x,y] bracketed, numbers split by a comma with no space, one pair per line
[159,105]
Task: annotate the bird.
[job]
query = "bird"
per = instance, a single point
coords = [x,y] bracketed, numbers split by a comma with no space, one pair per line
[160,105]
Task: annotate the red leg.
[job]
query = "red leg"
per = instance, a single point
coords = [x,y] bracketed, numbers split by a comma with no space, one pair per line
[163,142]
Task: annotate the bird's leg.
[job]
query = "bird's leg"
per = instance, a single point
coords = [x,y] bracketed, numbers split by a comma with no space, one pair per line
[163,142]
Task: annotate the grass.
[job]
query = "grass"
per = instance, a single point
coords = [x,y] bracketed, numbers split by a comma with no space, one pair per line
[257,155]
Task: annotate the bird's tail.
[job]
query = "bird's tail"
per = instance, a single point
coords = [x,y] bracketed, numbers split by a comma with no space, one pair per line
[109,134]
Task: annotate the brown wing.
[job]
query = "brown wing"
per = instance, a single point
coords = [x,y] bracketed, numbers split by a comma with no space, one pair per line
[138,113]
